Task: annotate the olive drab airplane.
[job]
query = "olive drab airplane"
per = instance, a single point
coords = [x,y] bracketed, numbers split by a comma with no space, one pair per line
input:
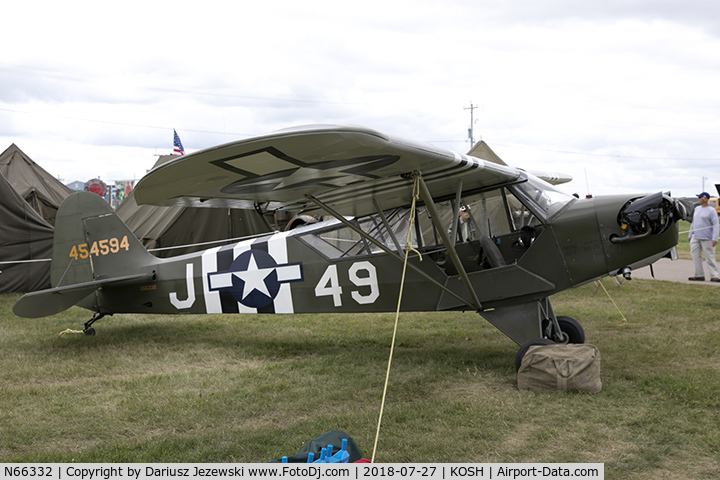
[485,236]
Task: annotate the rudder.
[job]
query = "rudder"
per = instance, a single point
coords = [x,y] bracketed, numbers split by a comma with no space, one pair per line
[92,243]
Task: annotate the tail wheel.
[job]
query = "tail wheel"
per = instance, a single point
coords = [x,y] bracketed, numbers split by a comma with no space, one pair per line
[524,348]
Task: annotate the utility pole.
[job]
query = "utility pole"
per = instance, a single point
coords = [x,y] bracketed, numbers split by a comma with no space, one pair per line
[472,122]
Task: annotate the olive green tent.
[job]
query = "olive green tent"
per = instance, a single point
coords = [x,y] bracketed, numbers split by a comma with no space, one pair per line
[25,242]
[29,199]
[43,192]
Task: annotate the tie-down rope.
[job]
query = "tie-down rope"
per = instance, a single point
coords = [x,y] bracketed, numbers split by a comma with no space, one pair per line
[408,249]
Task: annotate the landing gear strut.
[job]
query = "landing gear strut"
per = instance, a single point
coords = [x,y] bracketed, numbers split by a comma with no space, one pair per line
[87,326]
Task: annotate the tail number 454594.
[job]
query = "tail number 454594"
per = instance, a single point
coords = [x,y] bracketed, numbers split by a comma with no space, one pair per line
[101,247]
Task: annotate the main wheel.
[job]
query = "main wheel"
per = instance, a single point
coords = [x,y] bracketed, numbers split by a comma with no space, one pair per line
[526,346]
[570,328]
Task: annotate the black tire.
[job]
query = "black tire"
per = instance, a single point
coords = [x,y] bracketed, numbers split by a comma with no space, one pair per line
[572,328]
[524,348]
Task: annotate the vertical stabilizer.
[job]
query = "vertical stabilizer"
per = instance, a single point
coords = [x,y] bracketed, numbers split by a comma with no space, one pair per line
[92,243]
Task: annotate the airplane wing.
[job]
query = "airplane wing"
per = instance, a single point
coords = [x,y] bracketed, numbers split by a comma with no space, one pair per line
[345,167]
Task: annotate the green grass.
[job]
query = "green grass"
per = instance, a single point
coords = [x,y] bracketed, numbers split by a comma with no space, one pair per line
[683,247]
[253,388]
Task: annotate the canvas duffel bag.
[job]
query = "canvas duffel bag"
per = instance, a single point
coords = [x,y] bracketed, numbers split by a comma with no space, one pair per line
[561,367]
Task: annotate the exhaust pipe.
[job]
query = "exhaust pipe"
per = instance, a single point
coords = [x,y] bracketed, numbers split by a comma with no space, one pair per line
[618,240]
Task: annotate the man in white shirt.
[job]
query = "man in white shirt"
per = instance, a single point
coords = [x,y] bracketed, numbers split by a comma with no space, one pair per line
[465,231]
[703,237]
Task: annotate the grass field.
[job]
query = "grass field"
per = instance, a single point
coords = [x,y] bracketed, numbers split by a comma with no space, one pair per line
[683,247]
[254,388]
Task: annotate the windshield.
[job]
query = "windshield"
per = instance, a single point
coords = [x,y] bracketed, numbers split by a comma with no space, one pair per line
[543,196]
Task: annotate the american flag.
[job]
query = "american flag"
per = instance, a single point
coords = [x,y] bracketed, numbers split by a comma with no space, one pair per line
[177,144]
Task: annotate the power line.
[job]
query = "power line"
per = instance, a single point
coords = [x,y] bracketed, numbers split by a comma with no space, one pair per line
[31,71]
[122,124]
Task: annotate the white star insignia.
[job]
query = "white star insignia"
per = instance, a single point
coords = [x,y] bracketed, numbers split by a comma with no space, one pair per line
[254,278]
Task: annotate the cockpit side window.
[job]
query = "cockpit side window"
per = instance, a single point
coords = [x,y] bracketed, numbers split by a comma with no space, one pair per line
[501,215]
[492,214]
[337,240]
[500,212]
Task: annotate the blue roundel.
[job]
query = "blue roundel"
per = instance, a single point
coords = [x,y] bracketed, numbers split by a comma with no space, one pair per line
[256,283]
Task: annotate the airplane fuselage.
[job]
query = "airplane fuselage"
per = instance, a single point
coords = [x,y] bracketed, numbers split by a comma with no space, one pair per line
[297,272]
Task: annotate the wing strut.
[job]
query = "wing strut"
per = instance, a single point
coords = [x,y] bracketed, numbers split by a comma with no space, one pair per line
[430,204]
[385,249]
[387,226]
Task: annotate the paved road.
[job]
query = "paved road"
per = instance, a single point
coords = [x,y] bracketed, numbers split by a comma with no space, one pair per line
[672,271]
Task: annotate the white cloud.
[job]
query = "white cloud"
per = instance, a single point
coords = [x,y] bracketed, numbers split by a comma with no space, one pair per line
[623,92]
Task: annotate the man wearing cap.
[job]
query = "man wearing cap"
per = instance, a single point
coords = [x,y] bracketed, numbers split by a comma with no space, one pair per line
[703,237]
[465,229]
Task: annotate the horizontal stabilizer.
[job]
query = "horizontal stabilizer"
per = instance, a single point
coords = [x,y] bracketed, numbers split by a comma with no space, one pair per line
[553,178]
[55,300]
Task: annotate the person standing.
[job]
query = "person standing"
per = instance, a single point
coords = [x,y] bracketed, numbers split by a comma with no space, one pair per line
[465,228]
[703,237]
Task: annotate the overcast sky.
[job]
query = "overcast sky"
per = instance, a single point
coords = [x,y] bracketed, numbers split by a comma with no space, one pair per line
[624,95]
